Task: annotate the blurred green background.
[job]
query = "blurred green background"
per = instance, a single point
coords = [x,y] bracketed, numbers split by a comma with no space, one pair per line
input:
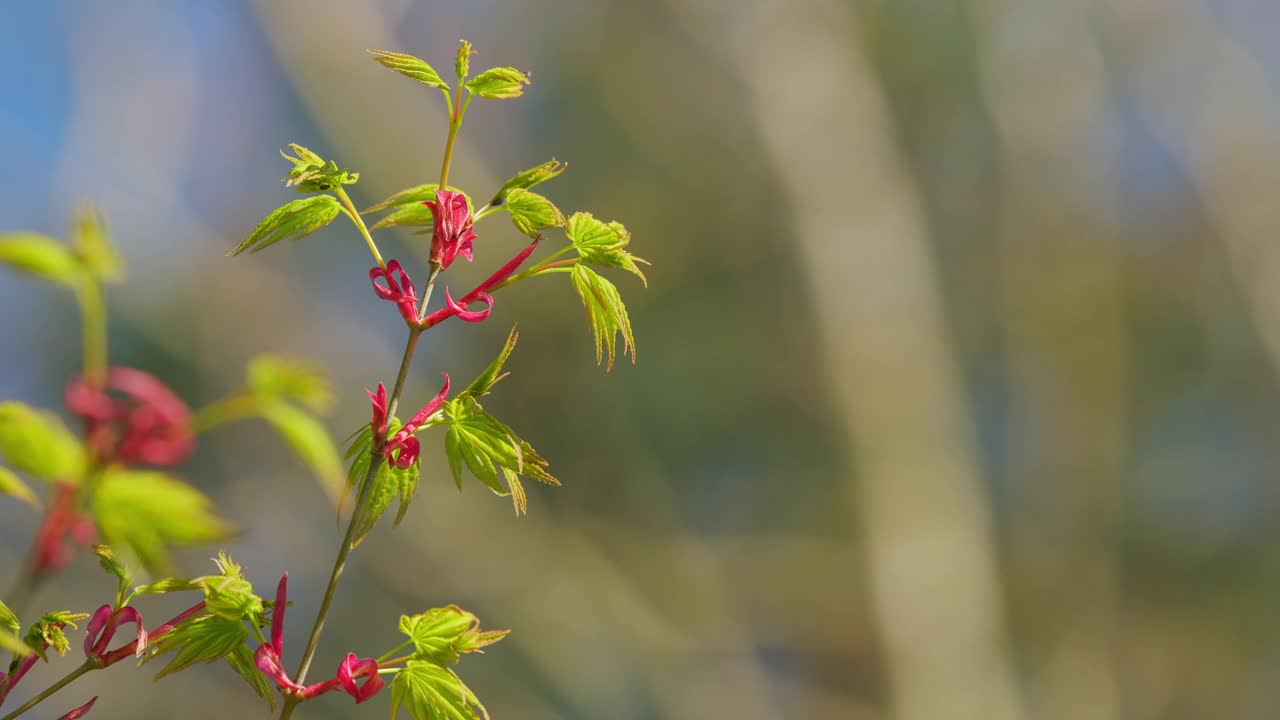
[956,393]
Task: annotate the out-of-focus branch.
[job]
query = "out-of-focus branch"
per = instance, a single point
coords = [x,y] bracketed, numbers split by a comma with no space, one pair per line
[858,225]
[1041,74]
[1221,123]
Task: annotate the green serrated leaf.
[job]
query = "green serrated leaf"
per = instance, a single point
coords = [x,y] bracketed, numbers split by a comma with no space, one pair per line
[453,451]
[529,178]
[492,374]
[381,493]
[124,578]
[414,215]
[278,376]
[147,512]
[519,500]
[431,692]
[292,221]
[11,484]
[387,484]
[406,487]
[415,195]
[531,212]
[313,174]
[605,313]
[498,83]
[42,257]
[310,441]
[410,67]
[38,444]
[603,244]
[302,157]
[440,634]
[168,585]
[485,445]
[202,639]
[242,662]
[91,243]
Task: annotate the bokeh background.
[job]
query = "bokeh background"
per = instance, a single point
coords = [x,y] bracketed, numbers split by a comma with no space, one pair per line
[957,382]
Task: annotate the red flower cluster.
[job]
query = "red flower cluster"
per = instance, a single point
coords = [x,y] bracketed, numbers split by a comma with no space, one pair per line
[451,235]
[132,418]
[402,293]
[102,628]
[479,294]
[268,658]
[403,441]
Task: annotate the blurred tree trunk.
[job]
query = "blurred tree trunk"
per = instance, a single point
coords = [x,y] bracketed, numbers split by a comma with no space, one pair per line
[877,304]
[1066,338]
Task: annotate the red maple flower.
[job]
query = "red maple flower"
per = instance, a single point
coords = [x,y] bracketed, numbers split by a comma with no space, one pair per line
[132,418]
[401,292]
[102,628]
[479,294]
[403,441]
[451,235]
[269,654]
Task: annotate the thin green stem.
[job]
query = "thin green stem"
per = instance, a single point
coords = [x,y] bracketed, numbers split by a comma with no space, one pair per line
[455,122]
[93,310]
[65,681]
[397,661]
[362,498]
[554,255]
[359,223]
[383,659]
[561,267]
[448,102]
[426,294]
[228,409]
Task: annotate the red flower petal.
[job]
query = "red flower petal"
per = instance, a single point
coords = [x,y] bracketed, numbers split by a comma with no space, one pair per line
[466,315]
[93,631]
[80,711]
[352,668]
[277,614]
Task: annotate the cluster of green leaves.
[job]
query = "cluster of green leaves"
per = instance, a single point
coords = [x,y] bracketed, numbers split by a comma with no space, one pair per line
[388,482]
[603,244]
[499,83]
[596,244]
[489,449]
[426,686]
[46,631]
[233,621]
[90,258]
[312,175]
[486,446]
